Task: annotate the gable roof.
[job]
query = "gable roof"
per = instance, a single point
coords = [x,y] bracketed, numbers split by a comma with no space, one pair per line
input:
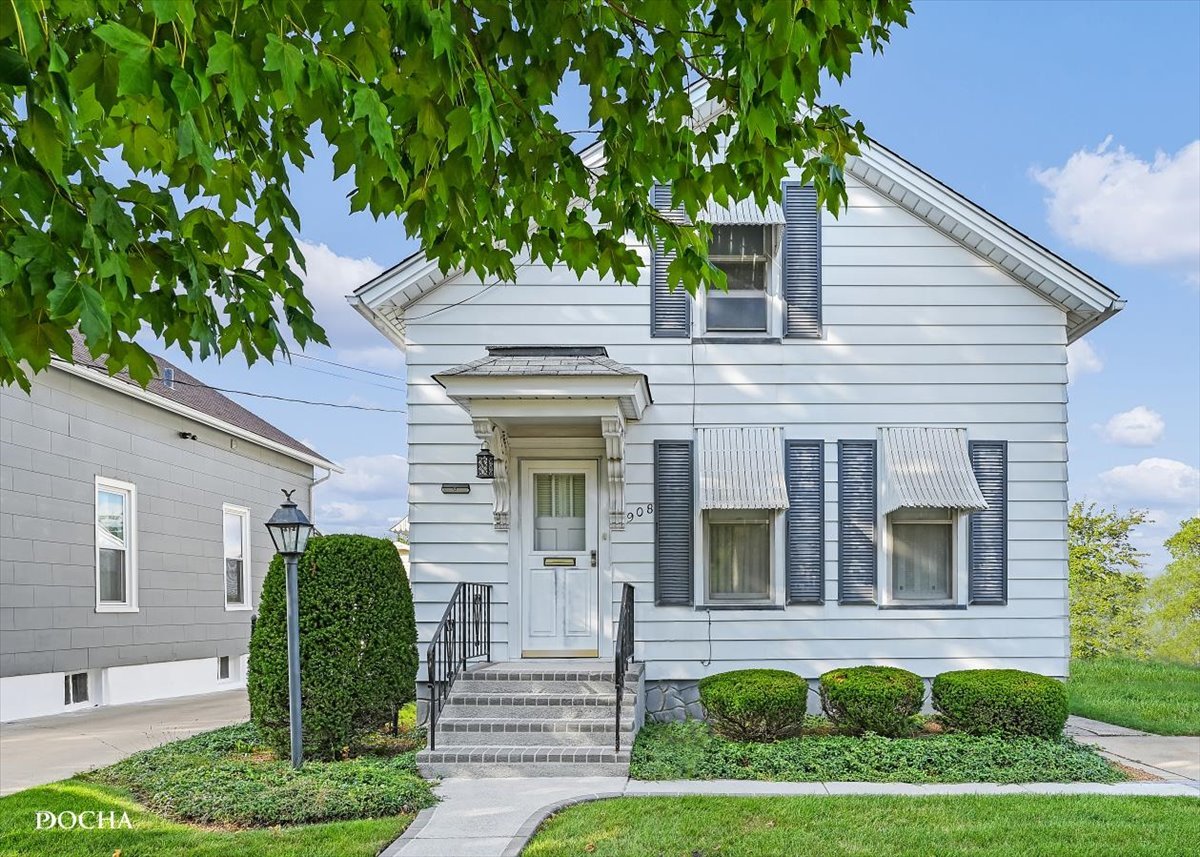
[180,392]
[1086,301]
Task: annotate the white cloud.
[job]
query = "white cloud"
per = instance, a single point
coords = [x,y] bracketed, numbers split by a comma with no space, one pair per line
[338,512]
[370,477]
[1139,426]
[1130,210]
[1082,359]
[1158,482]
[328,278]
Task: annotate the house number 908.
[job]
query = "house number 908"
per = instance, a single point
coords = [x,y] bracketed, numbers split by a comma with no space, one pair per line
[640,512]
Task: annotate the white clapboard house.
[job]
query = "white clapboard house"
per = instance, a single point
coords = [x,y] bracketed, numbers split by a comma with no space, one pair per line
[858,455]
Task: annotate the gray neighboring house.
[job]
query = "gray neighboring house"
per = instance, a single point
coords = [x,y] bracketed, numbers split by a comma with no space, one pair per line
[132,546]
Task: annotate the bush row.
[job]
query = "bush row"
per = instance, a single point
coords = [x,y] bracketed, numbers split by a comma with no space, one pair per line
[769,705]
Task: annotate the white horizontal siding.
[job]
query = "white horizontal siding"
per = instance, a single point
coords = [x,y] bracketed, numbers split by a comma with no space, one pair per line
[918,330]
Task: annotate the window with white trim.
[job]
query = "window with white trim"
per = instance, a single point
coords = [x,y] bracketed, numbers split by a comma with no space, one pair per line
[923,555]
[739,553]
[116,545]
[744,253]
[235,526]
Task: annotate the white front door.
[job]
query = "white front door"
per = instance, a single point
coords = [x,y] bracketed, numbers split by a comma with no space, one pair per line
[559,575]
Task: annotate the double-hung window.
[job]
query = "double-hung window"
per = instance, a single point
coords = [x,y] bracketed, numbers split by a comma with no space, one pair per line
[236,530]
[742,252]
[739,553]
[923,554]
[116,545]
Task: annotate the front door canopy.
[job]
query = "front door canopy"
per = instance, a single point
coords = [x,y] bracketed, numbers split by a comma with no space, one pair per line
[551,385]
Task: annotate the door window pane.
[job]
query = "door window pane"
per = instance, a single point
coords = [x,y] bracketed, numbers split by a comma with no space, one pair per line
[922,554]
[560,511]
[739,555]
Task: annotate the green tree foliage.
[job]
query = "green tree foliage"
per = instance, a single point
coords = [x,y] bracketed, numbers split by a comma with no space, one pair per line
[1107,590]
[441,112]
[1174,599]
[358,644]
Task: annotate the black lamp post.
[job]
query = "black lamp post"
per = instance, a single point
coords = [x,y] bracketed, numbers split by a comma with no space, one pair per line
[290,528]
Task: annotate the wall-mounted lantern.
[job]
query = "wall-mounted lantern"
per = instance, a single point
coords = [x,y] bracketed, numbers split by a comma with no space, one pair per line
[485,463]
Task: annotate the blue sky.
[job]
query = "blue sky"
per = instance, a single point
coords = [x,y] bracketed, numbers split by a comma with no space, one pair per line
[1079,124]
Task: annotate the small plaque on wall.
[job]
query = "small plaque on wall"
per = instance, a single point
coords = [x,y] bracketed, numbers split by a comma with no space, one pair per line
[456,488]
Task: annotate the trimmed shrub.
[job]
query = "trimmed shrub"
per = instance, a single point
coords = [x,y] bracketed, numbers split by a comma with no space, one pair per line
[358,650]
[883,700]
[1001,702]
[755,705]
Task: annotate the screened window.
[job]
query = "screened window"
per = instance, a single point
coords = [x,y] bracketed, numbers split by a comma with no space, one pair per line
[236,525]
[922,558]
[742,253]
[115,556]
[560,512]
[738,555]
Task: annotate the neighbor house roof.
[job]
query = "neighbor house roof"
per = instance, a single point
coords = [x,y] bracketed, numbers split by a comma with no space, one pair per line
[180,392]
[1086,302]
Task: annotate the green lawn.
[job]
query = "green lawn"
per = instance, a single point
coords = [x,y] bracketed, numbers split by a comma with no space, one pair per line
[1009,826]
[152,836]
[1151,696]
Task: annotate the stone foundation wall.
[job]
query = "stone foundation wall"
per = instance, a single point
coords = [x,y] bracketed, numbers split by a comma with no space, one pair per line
[673,700]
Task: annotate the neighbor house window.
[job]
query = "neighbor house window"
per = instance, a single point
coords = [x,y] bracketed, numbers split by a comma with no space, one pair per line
[742,253]
[116,545]
[738,554]
[75,688]
[236,528]
[223,668]
[922,554]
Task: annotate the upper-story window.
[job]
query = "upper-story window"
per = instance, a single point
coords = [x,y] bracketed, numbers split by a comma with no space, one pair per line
[743,254]
[116,545]
[236,532]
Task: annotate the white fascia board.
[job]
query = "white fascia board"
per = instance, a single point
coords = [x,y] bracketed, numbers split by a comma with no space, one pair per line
[466,390]
[989,232]
[136,392]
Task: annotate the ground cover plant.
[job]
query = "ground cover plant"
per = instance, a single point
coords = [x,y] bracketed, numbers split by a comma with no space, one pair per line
[150,835]
[982,826]
[691,751]
[230,777]
[1152,696]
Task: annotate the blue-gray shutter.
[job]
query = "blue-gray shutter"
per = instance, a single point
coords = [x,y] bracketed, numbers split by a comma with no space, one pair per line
[987,541]
[804,464]
[801,261]
[857,522]
[674,469]
[670,310]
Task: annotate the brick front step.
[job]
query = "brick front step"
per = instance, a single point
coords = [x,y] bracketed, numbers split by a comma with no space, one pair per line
[488,761]
[531,732]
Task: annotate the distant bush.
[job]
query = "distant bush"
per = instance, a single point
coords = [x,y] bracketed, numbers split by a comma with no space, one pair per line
[1001,702]
[358,652]
[755,705]
[883,700]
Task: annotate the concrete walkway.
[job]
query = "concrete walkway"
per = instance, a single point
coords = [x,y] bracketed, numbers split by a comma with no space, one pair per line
[1171,758]
[497,817]
[44,749]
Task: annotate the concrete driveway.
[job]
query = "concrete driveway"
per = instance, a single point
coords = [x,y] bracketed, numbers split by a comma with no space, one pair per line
[44,749]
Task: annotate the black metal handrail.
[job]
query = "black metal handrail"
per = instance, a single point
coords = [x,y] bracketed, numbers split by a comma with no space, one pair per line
[624,649]
[464,633]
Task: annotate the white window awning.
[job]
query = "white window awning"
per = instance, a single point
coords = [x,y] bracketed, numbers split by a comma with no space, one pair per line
[926,468]
[746,212]
[742,468]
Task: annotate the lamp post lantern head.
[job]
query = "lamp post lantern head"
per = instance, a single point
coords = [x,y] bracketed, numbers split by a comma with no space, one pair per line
[289,528]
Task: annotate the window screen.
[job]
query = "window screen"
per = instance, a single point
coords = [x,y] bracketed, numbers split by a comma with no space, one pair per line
[739,555]
[922,554]
[741,253]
